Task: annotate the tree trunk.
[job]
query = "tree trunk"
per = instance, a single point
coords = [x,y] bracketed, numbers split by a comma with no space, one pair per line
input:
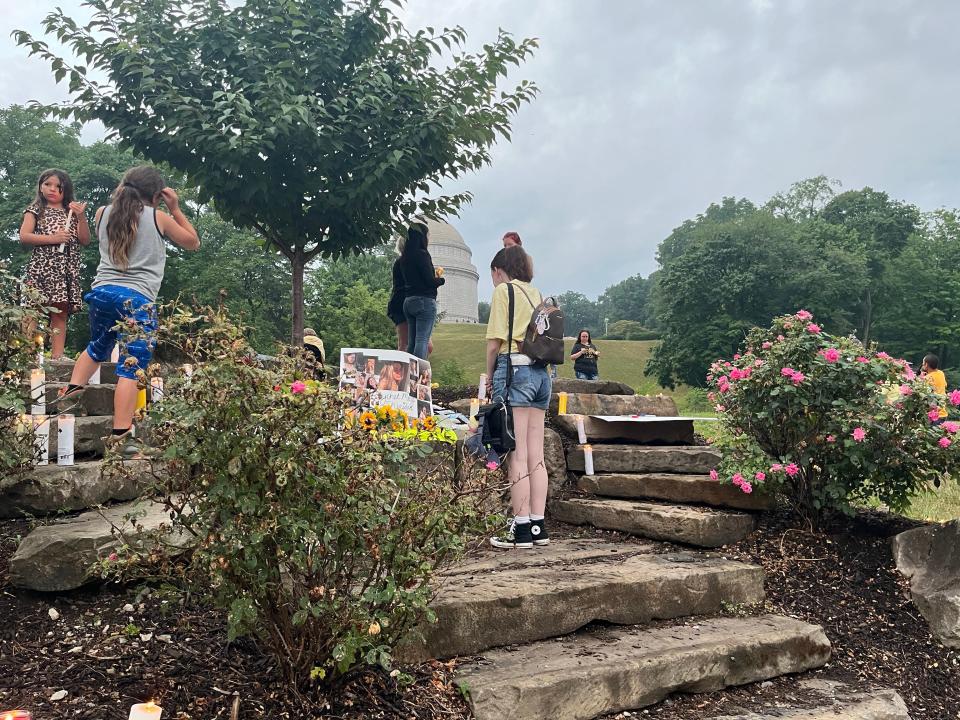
[298,261]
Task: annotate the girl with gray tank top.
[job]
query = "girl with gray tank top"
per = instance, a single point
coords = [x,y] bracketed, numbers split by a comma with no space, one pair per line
[131,233]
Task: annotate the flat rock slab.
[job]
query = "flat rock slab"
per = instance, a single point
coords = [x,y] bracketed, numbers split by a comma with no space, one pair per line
[96,399]
[61,370]
[840,703]
[591,387]
[561,551]
[60,556]
[515,605]
[591,404]
[50,489]
[675,523]
[674,488]
[930,558]
[673,431]
[686,460]
[589,675]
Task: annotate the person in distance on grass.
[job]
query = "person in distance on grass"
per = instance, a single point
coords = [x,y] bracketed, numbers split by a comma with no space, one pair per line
[313,346]
[528,395]
[584,355]
[132,234]
[937,380]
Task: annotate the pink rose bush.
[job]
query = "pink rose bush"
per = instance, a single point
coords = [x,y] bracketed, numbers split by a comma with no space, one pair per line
[824,421]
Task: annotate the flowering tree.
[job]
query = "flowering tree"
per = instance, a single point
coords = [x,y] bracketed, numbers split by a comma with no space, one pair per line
[825,421]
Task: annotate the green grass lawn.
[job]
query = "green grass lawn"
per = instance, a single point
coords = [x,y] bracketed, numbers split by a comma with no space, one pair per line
[621,360]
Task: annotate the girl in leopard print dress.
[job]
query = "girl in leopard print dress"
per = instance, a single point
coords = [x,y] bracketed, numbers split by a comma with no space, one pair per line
[55,226]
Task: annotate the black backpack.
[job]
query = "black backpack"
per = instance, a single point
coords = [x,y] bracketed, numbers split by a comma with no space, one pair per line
[543,341]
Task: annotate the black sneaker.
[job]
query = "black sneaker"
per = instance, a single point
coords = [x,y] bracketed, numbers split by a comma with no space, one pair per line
[538,530]
[517,536]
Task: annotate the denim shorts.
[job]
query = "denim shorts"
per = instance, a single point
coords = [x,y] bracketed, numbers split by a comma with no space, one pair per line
[113,304]
[529,387]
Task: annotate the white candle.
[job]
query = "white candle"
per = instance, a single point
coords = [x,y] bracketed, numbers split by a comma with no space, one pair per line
[38,392]
[588,460]
[482,390]
[581,431]
[474,409]
[145,711]
[41,439]
[40,359]
[95,378]
[65,425]
[115,354]
[156,389]
[187,369]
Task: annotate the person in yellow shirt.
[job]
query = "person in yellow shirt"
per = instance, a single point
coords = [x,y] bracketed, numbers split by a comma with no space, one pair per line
[937,380]
[528,394]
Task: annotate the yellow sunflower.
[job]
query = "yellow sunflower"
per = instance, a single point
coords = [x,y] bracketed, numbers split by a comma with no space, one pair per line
[429,422]
[383,412]
[368,421]
[404,418]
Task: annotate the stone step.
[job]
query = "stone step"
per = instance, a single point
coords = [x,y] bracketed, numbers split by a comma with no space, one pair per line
[61,370]
[588,675]
[61,556]
[675,523]
[839,703]
[669,431]
[674,488]
[592,404]
[96,400]
[690,459]
[88,434]
[520,604]
[573,386]
[50,489]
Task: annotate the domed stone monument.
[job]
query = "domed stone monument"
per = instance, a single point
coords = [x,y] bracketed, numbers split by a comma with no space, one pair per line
[457,298]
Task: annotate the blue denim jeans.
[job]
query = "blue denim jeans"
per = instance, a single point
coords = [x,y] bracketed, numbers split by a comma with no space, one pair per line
[529,388]
[113,304]
[421,314]
[587,376]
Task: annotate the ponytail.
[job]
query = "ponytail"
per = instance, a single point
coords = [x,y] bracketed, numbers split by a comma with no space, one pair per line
[139,187]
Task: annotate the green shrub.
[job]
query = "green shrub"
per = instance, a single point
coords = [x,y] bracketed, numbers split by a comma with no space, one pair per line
[20,307]
[318,538]
[450,373]
[826,422]
[630,330]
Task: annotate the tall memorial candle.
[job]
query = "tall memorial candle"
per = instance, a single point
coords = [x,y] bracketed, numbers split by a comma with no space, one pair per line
[482,389]
[581,431]
[587,460]
[38,392]
[561,403]
[65,427]
[145,711]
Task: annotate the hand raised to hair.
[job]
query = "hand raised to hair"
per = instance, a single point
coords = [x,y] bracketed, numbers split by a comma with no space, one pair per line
[170,198]
[78,208]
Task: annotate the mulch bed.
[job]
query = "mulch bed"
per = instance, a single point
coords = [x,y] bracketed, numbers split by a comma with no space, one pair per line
[111,647]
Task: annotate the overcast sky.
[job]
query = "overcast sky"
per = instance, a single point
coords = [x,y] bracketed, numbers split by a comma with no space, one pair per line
[651,110]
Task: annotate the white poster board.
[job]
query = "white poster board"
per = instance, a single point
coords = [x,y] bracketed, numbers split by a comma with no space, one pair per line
[387,377]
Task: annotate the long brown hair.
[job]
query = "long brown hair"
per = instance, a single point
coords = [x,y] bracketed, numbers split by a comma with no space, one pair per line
[66,186]
[139,187]
[515,262]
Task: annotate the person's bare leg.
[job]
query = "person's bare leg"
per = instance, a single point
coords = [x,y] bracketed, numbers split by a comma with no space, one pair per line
[429,347]
[536,467]
[402,337]
[124,403]
[58,334]
[517,474]
[83,369]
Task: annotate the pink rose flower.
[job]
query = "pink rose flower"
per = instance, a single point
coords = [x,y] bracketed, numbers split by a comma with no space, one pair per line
[737,479]
[767,345]
[863,359]
[798,377]
[934,414]
[908,373]
[776,467]
[804,315]
[736,356]
[757,363]
[714,475]
[719,408]
[760,476]
[735,374]
[884,356]
[831,438]
[950,426]
[859,434]
[831,355]
[113,557]
[746,487]
[906,390]
[781,338]
[944,442]
[813,328]
[492,465]
[792,470]
[955,397]
[787,371]
[297,387]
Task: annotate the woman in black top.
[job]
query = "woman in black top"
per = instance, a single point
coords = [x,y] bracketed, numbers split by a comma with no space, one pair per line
[395,306]
[420,283]
[584,356]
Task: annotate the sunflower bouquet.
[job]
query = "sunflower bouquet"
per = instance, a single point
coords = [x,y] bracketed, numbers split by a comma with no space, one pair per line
[392,422]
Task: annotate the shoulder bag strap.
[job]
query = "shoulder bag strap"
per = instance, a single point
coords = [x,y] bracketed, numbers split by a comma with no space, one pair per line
[510,335]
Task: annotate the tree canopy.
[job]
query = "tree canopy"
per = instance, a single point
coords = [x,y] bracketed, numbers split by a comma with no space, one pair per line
[323,124]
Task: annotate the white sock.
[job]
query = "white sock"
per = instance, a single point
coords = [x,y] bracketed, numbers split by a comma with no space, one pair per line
[534,518]
[522,519]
